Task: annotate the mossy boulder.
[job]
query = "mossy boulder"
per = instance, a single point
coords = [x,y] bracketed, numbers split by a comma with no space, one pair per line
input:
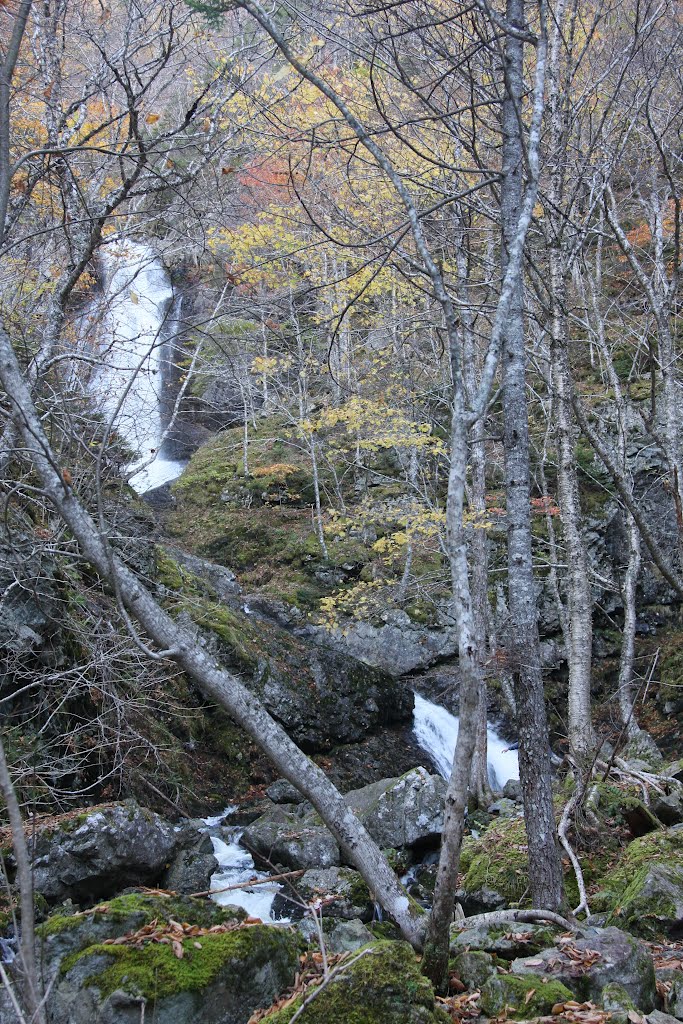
[522,997]
[495,868]
[594,958]
[221,978]
[617,1001]
[69,930]
[645,892]
[322,696]
[505,941]
[474,968]
[383,986]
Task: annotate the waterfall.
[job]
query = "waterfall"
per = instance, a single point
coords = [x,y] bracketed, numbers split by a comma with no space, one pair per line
[436,731]
[138,297]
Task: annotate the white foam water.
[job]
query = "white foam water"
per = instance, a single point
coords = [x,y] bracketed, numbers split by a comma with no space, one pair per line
[436,731]
[138,296]
[236,868]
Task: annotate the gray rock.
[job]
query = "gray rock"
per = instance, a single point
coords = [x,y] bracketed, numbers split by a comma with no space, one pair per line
[481,901]
[283,792]
[657,1017]
[245,970]
[192,868]
[668,806]
[643,748]
[339,892]
[114,846]
[281,838]
[474,968]
[513,790]
[517,940]
[653,904]
[504,808]
[621,958]
[347,936]
[402,812]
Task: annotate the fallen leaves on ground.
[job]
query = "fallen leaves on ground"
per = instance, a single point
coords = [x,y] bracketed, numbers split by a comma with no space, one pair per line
[173,933]
[463,1006]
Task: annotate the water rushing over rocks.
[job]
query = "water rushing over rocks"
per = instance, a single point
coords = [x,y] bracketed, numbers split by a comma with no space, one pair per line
[436,731]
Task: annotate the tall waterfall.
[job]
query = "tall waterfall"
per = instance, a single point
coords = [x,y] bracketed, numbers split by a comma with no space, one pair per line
[436,731]
[139,298]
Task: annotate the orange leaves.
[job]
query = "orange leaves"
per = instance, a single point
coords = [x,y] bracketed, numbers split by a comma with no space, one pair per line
[174,933]
[152,118]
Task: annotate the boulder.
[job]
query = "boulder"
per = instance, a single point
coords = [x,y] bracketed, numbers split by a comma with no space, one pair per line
[644,893]
[474,968]
[339,893]
[402,812]
[191,869]
[503,941]
[382,986]
[522,997]
[495,867]
[102,851]
[593,959]
[283,792]
[222,977]
[279,837]
[338,936]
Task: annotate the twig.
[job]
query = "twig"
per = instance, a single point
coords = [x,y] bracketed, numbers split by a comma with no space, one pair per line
[250,884]
[10,992]
[330,977]
[562,828]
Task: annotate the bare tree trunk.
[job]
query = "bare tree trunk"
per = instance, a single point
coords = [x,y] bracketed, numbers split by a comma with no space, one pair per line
[545,872]
[579,596]
[27,950]
[628,591]
[175,642]
[435,960]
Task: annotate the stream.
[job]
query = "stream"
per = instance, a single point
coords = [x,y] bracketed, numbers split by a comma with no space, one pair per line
[435,730]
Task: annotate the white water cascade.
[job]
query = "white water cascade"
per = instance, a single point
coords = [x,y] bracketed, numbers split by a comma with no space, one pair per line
[236,870]
[138,297]
[436,731]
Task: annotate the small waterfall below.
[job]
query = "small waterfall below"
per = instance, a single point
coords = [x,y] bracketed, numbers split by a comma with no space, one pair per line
[436,731]
[135,329]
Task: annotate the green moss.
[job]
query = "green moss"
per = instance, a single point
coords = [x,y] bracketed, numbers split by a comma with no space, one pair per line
[135,909]
[154,971]
[525,996]
[383,987]
[622,888]
[497,860]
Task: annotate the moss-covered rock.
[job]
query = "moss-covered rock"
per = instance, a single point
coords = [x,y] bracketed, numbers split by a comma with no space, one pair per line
[504,941]
[220,977]
[645,892]
[593,959]
[617,1001]
[521,997]
[383,986]
[474,968]
[69,931]
[321,696]
[495,867]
